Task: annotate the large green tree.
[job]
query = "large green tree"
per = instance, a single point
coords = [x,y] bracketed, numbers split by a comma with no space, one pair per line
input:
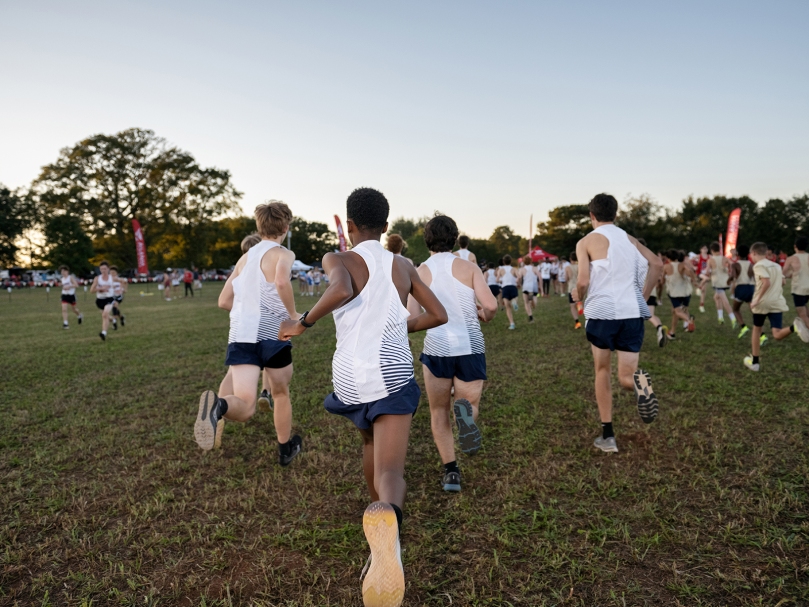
[66,243]
[16,216]
[566,225]
[311,240]
[107,180]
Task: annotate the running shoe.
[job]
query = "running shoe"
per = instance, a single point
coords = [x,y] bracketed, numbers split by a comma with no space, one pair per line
[745,330]
[468,432]
[264,402]
[511,327]
[762,340]
[691,324]
[452,481]
[671,336]
[721,321]
[607,445]
[220,430]
[748,362]
[81,318]
[296,445]
[114,325]
[102,336]
[515,306]
[384,585]
[801,329]
[530,319]
[661,335]
[733,323]
[699,291]
[123,319]
[65,326]
[577,325]
[702,309]
[207,424]
[645,396]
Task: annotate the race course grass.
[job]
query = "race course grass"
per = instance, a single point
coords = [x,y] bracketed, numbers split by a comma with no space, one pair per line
[106,499]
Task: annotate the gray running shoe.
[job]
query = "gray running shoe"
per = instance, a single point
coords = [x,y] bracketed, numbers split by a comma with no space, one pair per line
[264,402]
[207,425]
[468,431]
[606,444]
[452,482]
[647,401]
[801,329]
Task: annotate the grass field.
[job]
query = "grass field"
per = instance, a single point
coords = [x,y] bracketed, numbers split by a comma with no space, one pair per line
[106,499]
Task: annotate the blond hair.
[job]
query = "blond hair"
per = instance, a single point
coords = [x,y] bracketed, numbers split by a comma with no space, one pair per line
[249,241]
[395,244]
[272,218]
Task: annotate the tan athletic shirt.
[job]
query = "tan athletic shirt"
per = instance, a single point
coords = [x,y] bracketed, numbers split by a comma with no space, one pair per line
[574,277]
[676,284]
[719,274]
[773,300]
[800,280]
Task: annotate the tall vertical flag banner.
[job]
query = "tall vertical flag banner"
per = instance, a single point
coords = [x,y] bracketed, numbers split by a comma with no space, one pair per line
[140,248]
[340,235]
[530,232]
[733,231]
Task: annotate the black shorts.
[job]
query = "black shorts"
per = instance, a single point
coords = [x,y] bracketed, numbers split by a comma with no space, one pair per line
[529,293]
[510,292]
[800,300]
[266,354]
[680,302]
[495,289]
[776,319]
[570,298]
[404,401]
[119,298]
[469,367]
[102,303]
[69,299]
[652,301]
[624,335]
[744,293]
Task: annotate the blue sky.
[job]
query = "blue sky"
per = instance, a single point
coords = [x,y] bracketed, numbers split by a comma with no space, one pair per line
[488,112]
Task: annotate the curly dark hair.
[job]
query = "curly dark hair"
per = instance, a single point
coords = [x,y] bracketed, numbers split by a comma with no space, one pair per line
[743,251]
[368,209]
[801,242]
[604,207]
[440,234]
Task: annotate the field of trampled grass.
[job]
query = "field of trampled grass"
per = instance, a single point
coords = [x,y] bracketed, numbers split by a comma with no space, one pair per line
[106,499]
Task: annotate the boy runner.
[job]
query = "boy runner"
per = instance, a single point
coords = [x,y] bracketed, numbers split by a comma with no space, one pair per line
[167,284]
[374,383]
[102,287]
[768,303]
[701,271]
[572,272]
[494,284]
[745,286]
[719,270]
[463,252]
[69,286]
[678,275]
[651,303]
[508,281]
[563,264]
[796,267]
[259,295]
[617,273]
[454,354]
[119,287]
[545,273]
[528,277]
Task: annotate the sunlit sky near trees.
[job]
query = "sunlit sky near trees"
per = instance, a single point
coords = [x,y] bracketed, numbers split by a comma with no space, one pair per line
[486,111]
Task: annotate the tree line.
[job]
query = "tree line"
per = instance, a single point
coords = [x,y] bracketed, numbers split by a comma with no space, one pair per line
[82,207]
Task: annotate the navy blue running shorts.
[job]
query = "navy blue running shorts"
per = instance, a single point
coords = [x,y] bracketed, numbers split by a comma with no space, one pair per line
[624,335]
[470,367]
[800,300]
[495,289]
[652,301]
[266,354]
[680,302]
[402,402]
[776,318]
[510,292]
[744,293]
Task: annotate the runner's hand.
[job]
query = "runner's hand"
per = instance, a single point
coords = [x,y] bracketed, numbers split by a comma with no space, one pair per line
[290,328]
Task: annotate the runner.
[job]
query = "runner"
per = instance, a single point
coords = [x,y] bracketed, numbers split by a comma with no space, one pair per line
[374,383]
[679,276]
[119,287]
[796,268]
[572,272]
[530,284]
[555,276]
[494,284]
[303,290]
[719,271]
[563,264]
[454,353]
[259,296]
[102,287]
[507,276]
[745,286]
[768,303]
[617,273]
[545,274]
[167,284]
[701,270]
[69,286]
[316,276]
[463,252]
[651,303]
[188,281]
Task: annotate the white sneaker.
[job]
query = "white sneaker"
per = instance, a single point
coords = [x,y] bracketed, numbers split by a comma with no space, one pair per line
[384,585]
[607,445]
[511,327]
[801,329]
[748,362]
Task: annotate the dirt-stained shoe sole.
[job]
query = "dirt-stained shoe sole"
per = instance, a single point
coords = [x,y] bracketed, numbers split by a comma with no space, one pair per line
[647,400]
[264,404]
[469,436]
[384,585]
[220,428]
[204,432]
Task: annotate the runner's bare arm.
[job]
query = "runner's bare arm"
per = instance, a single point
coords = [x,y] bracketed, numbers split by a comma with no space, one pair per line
[488,302]
[414,307]
[789,267]
[584,270]
[226,296]
[434,313]
[655,268]
[94,286]
[283,283]
[765,286]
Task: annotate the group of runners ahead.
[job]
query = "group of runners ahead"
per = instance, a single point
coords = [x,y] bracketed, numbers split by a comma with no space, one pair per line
[109,289]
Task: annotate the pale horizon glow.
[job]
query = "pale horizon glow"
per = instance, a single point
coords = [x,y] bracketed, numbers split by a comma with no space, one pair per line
[488,112]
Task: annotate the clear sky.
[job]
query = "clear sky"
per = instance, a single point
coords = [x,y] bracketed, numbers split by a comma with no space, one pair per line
[486,111]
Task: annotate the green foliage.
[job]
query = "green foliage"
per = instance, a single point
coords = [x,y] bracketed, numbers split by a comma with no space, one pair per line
[566,225]
[311,240]
[15,217]
[407,228]
[68,244]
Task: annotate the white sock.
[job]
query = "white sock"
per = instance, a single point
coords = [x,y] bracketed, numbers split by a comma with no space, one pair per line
[685,324]
[64,322]
[731,316]
[103,333]
[720,314]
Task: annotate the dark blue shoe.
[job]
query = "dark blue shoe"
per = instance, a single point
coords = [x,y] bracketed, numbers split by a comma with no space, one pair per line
[452,481]
[468,431]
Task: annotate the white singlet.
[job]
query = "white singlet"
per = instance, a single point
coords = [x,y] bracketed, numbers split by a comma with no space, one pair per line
[463,254]
[117,289]
[574,277]
[545,270]
[491,278]
[461,335]
[508,279]
[719,274]
[562,274]
[104,287]
[744,278]
[616,282]
[677,285]
[67,286]
[372,359]
[800,280]
[529,280]
[257,310]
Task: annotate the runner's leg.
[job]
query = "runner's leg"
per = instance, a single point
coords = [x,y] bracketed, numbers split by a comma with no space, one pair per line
[241,398]
[440,399]
[282,409]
